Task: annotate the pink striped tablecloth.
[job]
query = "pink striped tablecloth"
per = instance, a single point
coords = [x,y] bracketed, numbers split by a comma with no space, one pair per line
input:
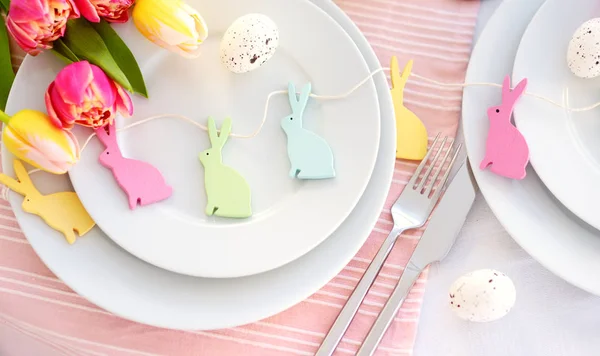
[40,315]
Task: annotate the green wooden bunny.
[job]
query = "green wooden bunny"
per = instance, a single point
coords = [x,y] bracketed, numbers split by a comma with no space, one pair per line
[228,192]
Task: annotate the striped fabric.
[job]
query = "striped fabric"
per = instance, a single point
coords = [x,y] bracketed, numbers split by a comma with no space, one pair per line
[40,315]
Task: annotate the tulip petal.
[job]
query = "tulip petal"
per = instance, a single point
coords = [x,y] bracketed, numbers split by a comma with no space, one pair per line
[24,11]
[56,121]
[88,10]
[73,144]
[21,37]
[21,148]
[123,18]
[73,80]
[101,86]
[200,24]
[65,112]
[124,103]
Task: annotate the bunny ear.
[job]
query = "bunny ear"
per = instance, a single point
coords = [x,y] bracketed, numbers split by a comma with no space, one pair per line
[395,73]
[103,136]
[506,88]
[292,96]
[212,132]
[25,181]
[303,101]
[225,131]
[112,131]
[519,89]
[407,71]
[12,184]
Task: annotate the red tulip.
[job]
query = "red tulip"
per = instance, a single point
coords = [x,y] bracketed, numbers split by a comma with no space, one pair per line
[83,94]
[35,24]
[110,10]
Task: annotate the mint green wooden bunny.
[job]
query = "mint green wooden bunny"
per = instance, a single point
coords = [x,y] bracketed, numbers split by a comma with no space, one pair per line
[228,192]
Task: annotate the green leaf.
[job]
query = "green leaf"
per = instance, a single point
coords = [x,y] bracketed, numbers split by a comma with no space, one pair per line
[122,55]
[63,52]
[87,44]
[5,4]
[6,71]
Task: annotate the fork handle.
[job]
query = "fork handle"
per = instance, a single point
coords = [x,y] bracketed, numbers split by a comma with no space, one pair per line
[389,311]
[345,317]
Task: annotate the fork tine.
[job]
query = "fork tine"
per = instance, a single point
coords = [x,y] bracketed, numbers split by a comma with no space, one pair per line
[430,168]
[439,170]
[442,186]
[413,179]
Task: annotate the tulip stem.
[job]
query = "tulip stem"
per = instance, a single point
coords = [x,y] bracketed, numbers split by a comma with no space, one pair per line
[4,118]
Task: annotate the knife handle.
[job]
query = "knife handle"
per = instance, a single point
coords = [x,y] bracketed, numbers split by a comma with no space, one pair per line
[389,311]
[347,314]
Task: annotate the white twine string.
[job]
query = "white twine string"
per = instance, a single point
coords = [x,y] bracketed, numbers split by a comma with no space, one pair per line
[340,96]
[5,190]
[264,118]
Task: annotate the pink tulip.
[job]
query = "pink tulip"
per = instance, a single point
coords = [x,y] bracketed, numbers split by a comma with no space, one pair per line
[35,24]
[110,10]
[83,94]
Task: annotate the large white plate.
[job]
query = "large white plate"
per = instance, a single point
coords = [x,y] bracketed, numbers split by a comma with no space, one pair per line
[109,277]
[290,216]
[564,146]
[529,212]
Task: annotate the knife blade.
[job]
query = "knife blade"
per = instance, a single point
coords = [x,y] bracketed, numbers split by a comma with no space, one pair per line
[439,237]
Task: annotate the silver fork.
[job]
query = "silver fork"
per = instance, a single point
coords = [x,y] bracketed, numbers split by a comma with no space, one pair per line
[410,211]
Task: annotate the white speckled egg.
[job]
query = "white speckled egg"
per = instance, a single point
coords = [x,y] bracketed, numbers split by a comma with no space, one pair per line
[482,295]
[249,43]
[583,53]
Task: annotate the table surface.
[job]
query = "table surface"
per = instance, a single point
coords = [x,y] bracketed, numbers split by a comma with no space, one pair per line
[550,317]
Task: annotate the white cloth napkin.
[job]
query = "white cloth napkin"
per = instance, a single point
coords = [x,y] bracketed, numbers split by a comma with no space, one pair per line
[550,317]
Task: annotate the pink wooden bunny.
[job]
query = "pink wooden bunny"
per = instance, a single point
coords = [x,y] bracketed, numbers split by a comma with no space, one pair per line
[506,149]
[142,182]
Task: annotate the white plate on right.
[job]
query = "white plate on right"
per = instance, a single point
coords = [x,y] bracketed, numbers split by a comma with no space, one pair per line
[564,146]
[548,231]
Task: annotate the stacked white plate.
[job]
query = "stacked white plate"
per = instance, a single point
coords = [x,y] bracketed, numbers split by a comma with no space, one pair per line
[553,212]
[168,264]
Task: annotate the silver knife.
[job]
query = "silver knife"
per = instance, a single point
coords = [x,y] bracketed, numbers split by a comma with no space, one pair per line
[445,224]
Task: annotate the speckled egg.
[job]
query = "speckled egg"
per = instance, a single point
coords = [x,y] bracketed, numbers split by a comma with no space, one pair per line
[249,43]
[583,53]
[483,295]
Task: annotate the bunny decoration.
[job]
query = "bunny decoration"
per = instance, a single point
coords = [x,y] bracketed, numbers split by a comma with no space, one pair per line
[309,154]
[411,134]
[61,211]
[228,192]
[142,182]
[506,149]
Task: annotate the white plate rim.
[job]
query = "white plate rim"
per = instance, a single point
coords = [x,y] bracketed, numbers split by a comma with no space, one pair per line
[328,250]
[575,183]
[505,198]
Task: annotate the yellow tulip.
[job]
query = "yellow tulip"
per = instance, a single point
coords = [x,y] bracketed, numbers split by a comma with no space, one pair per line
[171,24]
[31,136]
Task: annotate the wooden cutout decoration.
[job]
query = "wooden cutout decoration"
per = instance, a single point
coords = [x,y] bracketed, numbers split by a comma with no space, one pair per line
[228,192]
[411,134]
[142,183]
[310,155]
[506,149]
[61,211]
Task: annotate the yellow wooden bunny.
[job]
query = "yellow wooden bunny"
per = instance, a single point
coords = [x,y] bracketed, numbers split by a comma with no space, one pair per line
[61,211]
[411,134]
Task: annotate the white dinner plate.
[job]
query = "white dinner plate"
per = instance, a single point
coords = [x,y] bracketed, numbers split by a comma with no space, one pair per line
[564,146]
[548,231]
[290,216]
[109,277]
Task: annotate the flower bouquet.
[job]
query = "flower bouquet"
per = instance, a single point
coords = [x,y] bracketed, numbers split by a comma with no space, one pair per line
[100,71]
